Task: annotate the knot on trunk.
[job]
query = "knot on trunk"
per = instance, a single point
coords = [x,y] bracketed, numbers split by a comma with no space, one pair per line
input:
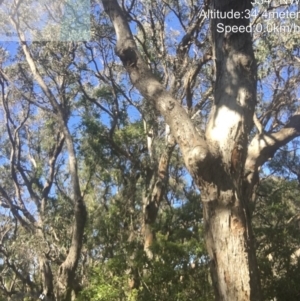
[197,156]
[127,53]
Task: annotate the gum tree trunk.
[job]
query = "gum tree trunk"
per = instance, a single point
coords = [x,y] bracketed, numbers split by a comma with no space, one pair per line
[226,198]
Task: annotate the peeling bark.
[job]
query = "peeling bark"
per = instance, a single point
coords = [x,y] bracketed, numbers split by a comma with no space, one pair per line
[229,241]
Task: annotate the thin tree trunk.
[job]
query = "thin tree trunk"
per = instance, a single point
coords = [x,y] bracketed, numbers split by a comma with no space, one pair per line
[152,202]
[47,279]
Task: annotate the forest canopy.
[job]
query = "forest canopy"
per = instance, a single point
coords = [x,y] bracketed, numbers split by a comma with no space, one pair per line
[146,154]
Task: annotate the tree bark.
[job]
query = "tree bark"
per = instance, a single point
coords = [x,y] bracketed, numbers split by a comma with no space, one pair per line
[229,237]
[229,242]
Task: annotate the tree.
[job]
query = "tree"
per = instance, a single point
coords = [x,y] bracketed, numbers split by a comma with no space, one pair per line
[31,171]
[223,161]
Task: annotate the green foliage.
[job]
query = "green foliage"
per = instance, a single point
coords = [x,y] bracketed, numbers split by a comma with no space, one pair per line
[277,233]
[179,262]
[102,287]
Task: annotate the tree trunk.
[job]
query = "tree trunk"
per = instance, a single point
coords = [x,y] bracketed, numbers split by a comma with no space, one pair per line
[66,274]
[230,246]
[47,279]
[154,196]
[226,195]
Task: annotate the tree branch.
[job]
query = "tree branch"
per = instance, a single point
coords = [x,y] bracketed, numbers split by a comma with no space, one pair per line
[263,146]
[193,146]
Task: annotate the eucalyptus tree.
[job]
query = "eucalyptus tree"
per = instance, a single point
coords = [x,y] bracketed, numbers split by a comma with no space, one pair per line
[224,160]
[36,144]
